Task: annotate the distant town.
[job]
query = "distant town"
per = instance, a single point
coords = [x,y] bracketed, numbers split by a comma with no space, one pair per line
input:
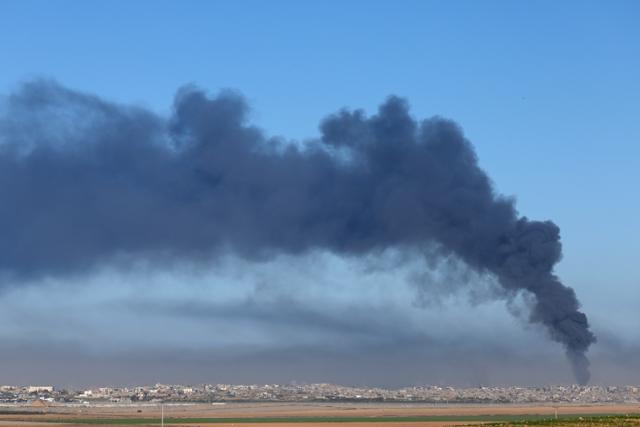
[46,395]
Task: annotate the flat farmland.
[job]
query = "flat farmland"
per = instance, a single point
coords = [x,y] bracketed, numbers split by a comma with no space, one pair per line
[316,414]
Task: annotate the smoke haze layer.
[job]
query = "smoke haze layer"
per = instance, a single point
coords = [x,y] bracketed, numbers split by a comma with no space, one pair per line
[84,181]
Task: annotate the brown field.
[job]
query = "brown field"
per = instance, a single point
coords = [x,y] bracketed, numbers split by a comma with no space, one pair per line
[37,417]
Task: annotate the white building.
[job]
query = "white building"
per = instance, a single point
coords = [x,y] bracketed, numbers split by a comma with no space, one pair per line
[40,389]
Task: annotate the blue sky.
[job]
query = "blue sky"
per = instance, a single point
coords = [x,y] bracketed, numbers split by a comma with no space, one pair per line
[548,92]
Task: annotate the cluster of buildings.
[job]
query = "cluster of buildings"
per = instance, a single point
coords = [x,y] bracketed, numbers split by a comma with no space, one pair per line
[48,395]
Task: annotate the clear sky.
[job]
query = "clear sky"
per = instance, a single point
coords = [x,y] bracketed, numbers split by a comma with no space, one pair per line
[547,91]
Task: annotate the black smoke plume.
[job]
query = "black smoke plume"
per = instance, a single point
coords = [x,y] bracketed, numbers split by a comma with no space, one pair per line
[83,181]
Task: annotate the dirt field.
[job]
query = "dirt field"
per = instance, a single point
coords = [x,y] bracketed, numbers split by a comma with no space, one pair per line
[358,424]
[25,416]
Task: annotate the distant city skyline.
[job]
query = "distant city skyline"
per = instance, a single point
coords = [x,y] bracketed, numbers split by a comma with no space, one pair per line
[314,393]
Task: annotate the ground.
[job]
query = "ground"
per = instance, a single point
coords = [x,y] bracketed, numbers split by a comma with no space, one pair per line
[321,414]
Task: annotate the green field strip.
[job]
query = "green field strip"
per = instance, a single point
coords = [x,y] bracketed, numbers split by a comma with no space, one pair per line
[614,420]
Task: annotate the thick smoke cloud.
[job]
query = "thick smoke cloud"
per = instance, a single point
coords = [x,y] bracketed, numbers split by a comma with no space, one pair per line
[84,182]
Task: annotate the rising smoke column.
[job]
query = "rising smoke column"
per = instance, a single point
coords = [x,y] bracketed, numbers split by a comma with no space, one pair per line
[84,181]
